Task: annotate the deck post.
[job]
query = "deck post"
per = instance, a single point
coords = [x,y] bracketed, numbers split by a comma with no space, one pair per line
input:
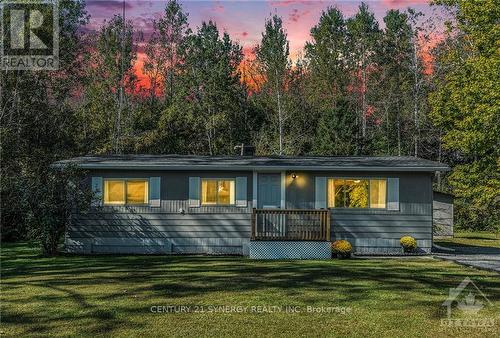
[328,230]
[253,224]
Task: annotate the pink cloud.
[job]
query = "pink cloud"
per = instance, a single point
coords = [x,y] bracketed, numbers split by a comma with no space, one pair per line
[217,7]
[296,15]
[107,5]
[403,3]
[244,21]
[284,3]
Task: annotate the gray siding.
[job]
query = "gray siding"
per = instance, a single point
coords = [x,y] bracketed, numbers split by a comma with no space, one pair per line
[375,231]
[174,227]
[443,215]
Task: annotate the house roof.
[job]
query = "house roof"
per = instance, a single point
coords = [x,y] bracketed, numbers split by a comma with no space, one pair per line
[443,197]
[447,194]
[307,163]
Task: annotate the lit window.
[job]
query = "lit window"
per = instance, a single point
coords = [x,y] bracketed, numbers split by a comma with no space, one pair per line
[119,192]
[137,192]
[378,190]
[209,192]
[114,192]
[217,192]
[356,193]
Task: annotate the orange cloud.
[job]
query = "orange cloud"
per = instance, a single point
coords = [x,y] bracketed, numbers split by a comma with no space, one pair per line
[248,70]
[142,80]
[426,51]
[249,52]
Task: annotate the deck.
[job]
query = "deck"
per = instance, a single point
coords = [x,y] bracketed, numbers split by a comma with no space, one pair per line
[291,225]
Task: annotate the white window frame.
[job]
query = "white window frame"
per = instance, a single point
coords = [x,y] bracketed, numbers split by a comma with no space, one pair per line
[357,178]
[217,179]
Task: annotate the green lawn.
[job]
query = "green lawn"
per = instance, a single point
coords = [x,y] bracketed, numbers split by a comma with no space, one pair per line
[478,238]
[113,295]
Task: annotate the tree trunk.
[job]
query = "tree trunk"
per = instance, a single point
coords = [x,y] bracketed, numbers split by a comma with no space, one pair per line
[398,122]
[210,132]
[388,151]
[416,91]
[363,104]
[170,74]
[280,117]
[121,94]
[439,160]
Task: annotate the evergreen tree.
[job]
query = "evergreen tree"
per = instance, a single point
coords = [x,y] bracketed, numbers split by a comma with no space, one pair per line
[274,66]
[327,55]
[162,68]
[38,124]
[335,130]
[162,50]
[395,64]
[301,120]
[363,35]
[109,84]
[210,97]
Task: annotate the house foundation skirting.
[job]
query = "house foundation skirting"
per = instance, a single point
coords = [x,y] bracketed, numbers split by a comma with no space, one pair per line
[208,246]
[289,250]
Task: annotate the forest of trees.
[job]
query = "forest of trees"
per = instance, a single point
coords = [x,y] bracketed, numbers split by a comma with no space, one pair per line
[358,89]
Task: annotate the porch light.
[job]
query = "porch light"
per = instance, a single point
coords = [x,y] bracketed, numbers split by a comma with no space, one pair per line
[294,176]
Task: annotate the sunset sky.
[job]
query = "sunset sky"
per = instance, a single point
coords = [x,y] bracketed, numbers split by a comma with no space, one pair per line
[244,20]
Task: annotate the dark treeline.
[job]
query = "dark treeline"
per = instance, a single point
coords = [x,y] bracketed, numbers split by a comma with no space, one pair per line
[358,89]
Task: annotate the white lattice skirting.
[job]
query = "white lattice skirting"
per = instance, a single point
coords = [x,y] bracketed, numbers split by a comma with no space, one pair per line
[289,250]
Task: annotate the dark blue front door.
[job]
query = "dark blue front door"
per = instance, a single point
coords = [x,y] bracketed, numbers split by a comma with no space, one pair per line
[269,191]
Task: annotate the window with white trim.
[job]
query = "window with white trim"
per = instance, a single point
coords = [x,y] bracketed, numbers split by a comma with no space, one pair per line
[357,193]
[217,191]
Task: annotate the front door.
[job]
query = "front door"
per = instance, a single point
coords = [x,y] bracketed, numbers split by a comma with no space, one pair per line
[269,191]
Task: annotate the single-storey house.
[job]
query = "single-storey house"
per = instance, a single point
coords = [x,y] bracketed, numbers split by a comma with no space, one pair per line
[262,207]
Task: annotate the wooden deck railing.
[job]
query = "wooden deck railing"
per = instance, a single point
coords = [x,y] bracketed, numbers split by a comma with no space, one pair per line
[291,224]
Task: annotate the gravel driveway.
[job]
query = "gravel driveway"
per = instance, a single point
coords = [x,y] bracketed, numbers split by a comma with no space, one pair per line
[479,257]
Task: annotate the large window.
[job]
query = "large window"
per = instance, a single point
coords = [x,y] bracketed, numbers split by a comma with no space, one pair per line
[356,193]
[120,192]
[217,192]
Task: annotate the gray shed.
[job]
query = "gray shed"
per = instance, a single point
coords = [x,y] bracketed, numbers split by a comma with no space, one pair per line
[442,214]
